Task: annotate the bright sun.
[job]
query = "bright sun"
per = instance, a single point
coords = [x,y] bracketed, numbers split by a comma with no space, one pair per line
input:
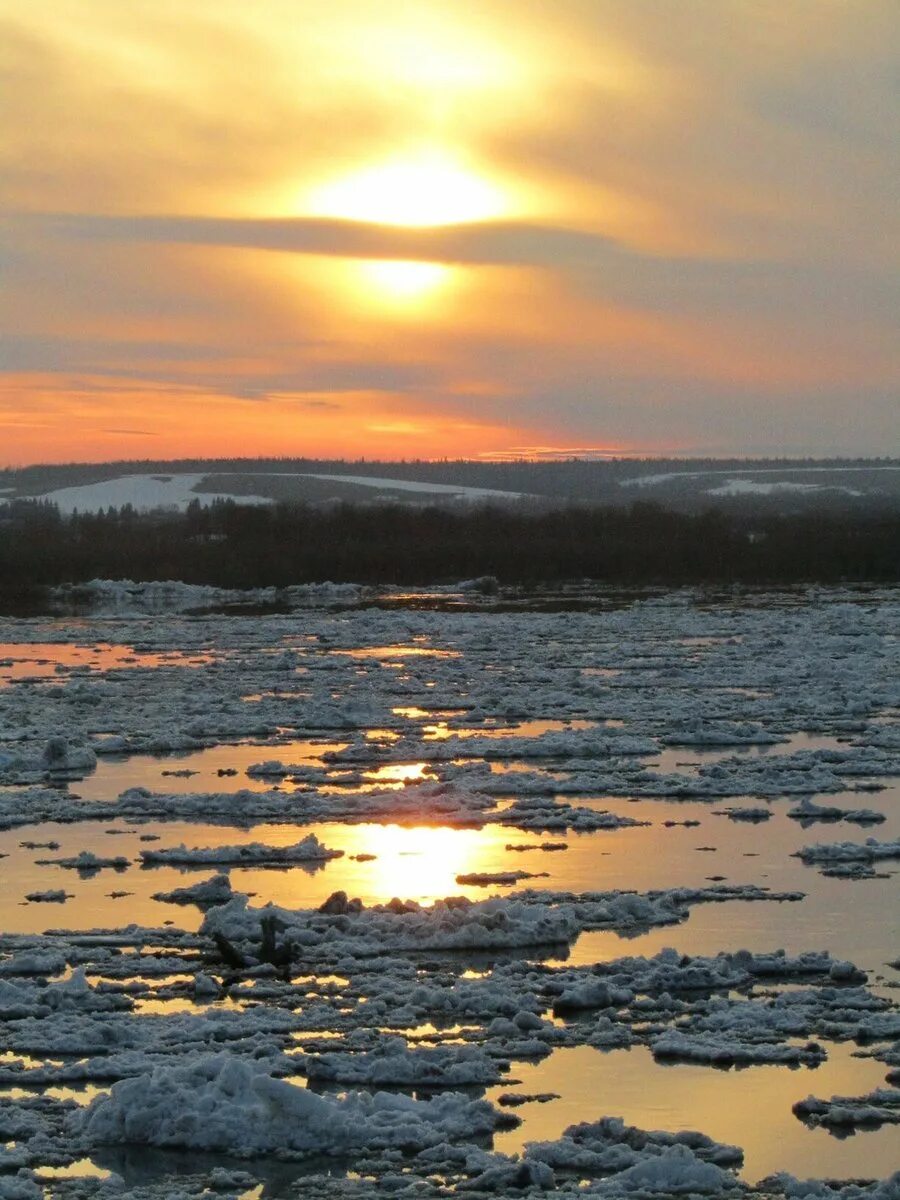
[404,280]
[428,189]
[431,189]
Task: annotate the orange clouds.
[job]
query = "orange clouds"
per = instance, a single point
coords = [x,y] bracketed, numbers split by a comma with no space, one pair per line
[430,229]
[53,418]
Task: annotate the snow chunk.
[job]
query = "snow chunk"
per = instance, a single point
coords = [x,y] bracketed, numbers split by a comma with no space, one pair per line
[676,1171]
[850,859]
[392,1064]
[223,1104]
[308,849]
[808,810]
[206,894]
[20,1186]
[842,1114]
[65,758]
[87,863]
[452,924]
[51,896]
[497,878]
[728,1051]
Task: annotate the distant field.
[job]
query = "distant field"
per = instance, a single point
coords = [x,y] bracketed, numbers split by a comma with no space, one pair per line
[688,485]
[148,492]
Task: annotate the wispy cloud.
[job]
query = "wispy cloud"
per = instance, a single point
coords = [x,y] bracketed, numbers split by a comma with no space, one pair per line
[132,432]
[558,453]
[595,262]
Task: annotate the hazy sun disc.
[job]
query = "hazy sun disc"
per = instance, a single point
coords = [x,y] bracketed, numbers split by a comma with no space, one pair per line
[428,190]
[402,280]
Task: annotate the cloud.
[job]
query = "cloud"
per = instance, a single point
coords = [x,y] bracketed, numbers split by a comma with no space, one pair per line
[699,246]
[132,432]
[600,265]
[482,243]
[556,453]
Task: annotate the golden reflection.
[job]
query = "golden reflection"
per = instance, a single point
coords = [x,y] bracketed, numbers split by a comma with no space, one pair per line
[427,1032]
[750,1108]
[415,862]
[398,651]
[46,659]
[422,862]
[82,1168]
[398,773]
[438,732]
[82,1093]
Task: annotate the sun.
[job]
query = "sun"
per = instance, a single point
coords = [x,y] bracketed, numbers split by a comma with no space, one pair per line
[426,189]
[403,281]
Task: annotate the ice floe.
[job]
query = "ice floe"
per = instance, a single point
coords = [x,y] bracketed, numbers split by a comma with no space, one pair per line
[477,720]
[307,850]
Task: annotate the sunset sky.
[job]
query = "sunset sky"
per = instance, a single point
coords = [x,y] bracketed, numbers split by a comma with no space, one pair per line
[435,229]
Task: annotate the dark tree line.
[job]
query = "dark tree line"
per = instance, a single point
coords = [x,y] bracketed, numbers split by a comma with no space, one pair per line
[578,480]
[230,545]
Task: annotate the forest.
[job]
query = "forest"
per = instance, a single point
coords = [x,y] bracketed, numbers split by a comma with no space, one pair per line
[230,545]
[574,480]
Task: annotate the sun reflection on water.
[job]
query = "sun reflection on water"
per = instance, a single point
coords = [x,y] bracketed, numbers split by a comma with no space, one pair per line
[421,863]
[398,773]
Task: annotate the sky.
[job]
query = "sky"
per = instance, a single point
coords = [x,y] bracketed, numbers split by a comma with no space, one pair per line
[445,228]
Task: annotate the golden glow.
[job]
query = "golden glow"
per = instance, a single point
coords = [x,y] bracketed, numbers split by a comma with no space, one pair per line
[428,189]
[415,862]
[422,863]
[751,1107]
[37,422]
[398,773]
[569,121]
[403,282]
[441,61]
[367,289]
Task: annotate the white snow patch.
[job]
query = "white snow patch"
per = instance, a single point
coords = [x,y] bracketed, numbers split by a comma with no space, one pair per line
[416,485]
[642,481]
[142,492]
[220,1103]
[148,492]
[753,487]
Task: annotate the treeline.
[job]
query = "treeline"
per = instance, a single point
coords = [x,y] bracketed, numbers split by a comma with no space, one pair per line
[237,546]
[568,479]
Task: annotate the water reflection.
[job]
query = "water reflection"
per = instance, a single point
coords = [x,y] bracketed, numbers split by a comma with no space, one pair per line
[414,713]
[440,730]
[82,1168]
[685,757]
[421,863]
[144,1166]
[44,660]
[207,770]
[750,1108]
[398,773]
[396,652]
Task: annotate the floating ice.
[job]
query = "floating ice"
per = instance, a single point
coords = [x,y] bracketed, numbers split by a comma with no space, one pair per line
[221,1103]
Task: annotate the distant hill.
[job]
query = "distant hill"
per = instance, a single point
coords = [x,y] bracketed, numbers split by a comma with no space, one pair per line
[687,485]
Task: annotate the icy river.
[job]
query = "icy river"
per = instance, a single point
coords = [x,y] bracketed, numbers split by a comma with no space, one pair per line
[452,894]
